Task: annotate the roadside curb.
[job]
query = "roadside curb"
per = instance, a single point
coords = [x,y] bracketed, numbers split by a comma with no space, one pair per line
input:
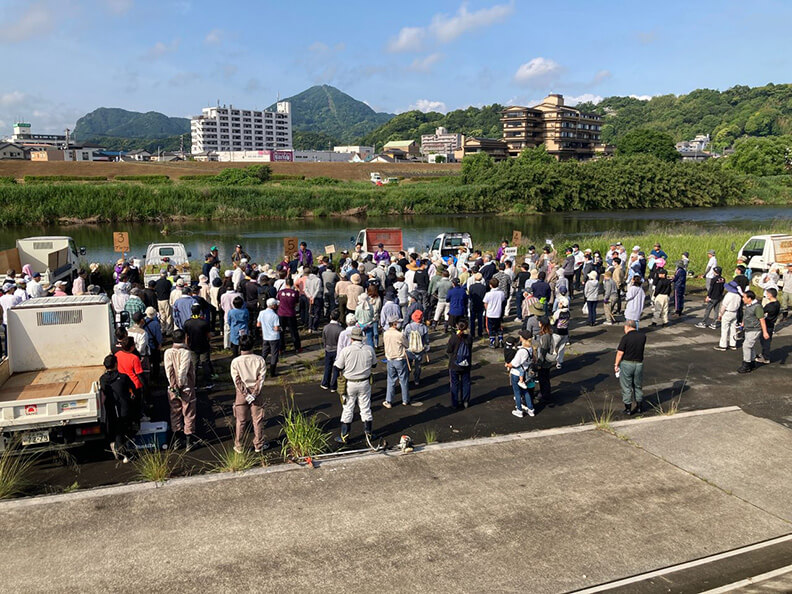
[142,487]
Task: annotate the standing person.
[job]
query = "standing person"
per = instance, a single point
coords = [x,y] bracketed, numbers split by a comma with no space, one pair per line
[634,301]
[457,303]
[269,322]
[709,272]
[238,321]
[153,329]
[662,296]
[398,368]
[441,289]
[545,358]
[494,301]
[288,299]
[182,308]
[786,292]
[568,268]
[518,369]
[356,362]
[375,301]
[364,313]
[560,323]
[610,297]
[180,372]
[727,315]
[239,255]
[754,325]
[771,311]
[163,289]
[591,294]
[248,372]
[629,367]
[198,341]
[476,292]
[680,280]
[519,286]
[304,256]
[116,389]
[330,335]
[713,299]
[460,361]
[618,278]
[417,337]
[129,364]
[313,292]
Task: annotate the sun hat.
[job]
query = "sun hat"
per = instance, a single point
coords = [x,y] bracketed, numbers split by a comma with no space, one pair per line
[536,309]
[417,316]
[592,275]
[356,334]
[350,319]
[151,312]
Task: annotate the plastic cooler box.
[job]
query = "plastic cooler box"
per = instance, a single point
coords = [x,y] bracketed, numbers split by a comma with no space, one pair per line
[151,436]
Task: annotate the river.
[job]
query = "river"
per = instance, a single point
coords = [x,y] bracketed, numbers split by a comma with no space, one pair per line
[264,239]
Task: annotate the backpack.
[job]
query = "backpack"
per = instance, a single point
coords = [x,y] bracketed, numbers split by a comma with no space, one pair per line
[415,342]
[510,346]
[421,279]
[562,323]
[462,358]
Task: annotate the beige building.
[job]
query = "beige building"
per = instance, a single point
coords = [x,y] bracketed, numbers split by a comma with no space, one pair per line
[495,148]
[566,132]
[442,142]
[402,149]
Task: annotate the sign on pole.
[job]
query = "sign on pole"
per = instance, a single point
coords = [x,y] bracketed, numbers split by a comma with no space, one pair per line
[290,245]
[510,252]
[516,237]
[121,241]
[330,249]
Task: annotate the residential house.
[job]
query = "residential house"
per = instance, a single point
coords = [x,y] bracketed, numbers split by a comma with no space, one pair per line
[402,149]
[9,150]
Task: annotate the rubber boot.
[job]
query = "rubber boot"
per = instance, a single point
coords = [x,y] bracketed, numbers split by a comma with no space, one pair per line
[367,428]
[345,427]
[273,370]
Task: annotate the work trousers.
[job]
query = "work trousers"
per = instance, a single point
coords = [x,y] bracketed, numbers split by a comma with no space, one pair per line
[476,320]
[398,372]
[712,306]
[608,308]
[631,381]
[330,377]
[543,378]
[592,312]
[749,344]
[244,413]
[183,410]
[766,343]
[728,337]
[315,314]
[204,360]
[441,311]
[290,323]
[271,348]
[460,386]
[559,345]
[660,315]
[785,298]
[415,364]
[166,316]
[357,391]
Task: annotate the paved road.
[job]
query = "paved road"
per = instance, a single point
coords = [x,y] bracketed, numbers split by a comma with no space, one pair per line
[544,512]
[681,365]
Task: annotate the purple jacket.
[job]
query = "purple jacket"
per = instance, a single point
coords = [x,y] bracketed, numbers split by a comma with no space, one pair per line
[382,256]
[306,258]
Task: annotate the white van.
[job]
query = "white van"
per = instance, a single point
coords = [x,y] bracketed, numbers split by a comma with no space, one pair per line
[761,251]
[448,244]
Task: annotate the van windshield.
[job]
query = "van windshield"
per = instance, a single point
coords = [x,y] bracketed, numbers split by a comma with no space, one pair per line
[754,247]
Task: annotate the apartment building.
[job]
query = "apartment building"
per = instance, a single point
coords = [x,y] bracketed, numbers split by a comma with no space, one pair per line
[229,129]
[566,132]
[441,142]
[23,136]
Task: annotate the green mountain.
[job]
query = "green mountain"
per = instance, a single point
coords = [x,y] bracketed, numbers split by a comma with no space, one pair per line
[473,121]
[725,115]
[120,123]
[325,109]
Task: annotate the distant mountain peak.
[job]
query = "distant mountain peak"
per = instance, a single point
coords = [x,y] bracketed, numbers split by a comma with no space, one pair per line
[117,122]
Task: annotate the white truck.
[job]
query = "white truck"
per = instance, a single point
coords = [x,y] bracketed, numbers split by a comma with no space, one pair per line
[49,383]
[161,255]
[762,251]
[55,257]
[448,244]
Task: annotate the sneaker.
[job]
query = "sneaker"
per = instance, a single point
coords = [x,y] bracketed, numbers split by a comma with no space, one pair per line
[522,385]
[517,413]
[416,383]
[608,324]
[416,403]
[323,386]
[209,387]
[524,407]
[713,326]
[732,348]
[125,460]
[465,404]
[701,325]
[239,450]
[720,348]
[387,404]
[266,446]
[558,365]
[332,390]
[761,359]
[531,412]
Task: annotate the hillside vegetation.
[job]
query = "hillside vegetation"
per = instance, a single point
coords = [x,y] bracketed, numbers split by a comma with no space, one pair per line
[120,123]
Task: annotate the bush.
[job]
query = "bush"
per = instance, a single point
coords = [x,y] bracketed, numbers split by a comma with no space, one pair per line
[44,179]
[198,177]
[150,179]
[7,179]
[250,175]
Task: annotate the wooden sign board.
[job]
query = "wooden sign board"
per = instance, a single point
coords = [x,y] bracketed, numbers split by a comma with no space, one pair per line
[121,241]
[330,249]
[516,237]
[290,246]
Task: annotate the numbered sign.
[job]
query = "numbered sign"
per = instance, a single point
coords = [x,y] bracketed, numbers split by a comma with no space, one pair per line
[510,252]
[290,245]
[121,241]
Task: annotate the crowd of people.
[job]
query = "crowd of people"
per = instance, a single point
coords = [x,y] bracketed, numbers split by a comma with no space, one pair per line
[357,303]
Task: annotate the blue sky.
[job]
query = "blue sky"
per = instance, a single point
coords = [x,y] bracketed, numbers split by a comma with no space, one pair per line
[63,58]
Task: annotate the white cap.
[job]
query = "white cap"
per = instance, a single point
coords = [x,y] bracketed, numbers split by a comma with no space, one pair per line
[272,302]
[636,248]
[229,273]
[243,261]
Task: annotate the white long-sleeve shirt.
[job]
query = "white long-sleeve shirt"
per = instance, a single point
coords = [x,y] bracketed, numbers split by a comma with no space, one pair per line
[248,373]
[179,368]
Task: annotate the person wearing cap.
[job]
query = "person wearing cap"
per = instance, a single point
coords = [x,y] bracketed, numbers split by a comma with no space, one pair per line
[238,276]
[120,407]
[356,362]
[34,288]
[521,384]
[634,301]
[680,282]
[560,324]
[304,256]
[662,297]
[381,255]
[609,298]
[180,373]
[209,262]
[153,329]
[177,291]
[163,288]
[441,288]
[198,333]
[288,300]
[227,297]
[709,272]
[398,369]
[457,303]
[730,307]
[269,323]
[353,291]
[591,294]
[568,268]
[713,299]
[330,335]
[248,372]
[494,301]
[416,336]
[460,362]
[239,255]
[238,323]
[754,326]
[315,296]
[182,308]
[621,284]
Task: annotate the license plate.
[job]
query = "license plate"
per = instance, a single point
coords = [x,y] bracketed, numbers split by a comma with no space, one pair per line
[35,437]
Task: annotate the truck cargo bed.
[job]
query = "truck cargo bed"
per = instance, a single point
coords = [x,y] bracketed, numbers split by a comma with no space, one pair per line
[50,382]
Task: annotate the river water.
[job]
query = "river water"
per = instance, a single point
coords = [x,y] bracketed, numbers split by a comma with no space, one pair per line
[264,239]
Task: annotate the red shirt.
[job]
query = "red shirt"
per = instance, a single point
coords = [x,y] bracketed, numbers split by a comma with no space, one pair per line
[288,300]
[129,365]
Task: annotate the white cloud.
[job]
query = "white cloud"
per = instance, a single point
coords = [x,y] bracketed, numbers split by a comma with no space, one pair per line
[642,97]
[425,105]
[446,28]
[425,64]
[37,19]
[12,99]
[161,49]
[214,37]
[409,39]
[601,76]
[118,6]
[584,98]
[539,72]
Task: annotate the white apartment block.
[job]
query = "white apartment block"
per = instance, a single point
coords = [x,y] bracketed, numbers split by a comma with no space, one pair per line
[441,142]
[228,129]
[363,151]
